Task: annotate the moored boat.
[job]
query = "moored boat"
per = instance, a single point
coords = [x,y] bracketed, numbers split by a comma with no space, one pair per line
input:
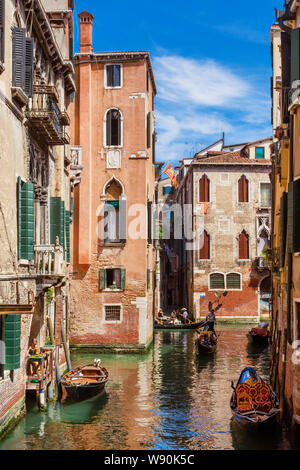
[253,404]
[84,382]
[260,335]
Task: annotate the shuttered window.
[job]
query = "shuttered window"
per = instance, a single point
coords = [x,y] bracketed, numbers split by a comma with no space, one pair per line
[112,277]
[294,217]
[148,130]
[233,281]
[18,57]
[243,189]
[113,128]
[217,281]
[295,54]
[22,61]
[244,246]
[204,189]
[150,225]
[205,246]
[12,339]
[148,279]
[153,147]
[2,30]
[283,228]
[25,220]
[57,221]
[68,236]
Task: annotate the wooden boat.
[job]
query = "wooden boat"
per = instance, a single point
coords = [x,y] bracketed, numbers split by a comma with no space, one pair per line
[168,326]
[84,382]
[206,345]
[253,404]
[259,336]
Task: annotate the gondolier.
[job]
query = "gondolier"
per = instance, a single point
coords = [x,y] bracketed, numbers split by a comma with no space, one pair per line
[211,319]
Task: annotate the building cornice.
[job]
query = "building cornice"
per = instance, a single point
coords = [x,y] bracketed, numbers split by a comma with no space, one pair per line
[103,57]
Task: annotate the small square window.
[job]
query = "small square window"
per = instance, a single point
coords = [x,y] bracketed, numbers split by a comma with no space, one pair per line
[260,153]
[113,76]
[112,313]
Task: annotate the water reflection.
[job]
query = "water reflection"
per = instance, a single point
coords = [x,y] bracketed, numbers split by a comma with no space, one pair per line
[169,399]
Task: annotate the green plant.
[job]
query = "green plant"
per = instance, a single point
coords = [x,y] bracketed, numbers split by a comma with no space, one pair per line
[50,296]
[48,341]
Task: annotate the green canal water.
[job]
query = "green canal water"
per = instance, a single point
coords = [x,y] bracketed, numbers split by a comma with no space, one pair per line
[166,400]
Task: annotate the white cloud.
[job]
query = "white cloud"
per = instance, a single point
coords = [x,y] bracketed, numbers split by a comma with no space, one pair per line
[201,82]
[199,100]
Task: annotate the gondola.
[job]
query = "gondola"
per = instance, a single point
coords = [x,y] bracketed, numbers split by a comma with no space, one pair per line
[253,404]
[84,382]
[168,326]
[206,344]
[259,336]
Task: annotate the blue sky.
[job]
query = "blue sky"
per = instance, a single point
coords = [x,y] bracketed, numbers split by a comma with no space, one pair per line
[211,61]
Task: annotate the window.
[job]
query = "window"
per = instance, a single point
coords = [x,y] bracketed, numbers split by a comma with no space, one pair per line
[113,76]
[265,195]
[293,219]
[233,281]
[204,189]
[243,189]
[259,153]
[22,61]
[204,246]
[112,313]
[148,130]
[244,246]
[167,190]
[115,214]
[114,128]
[2,30]
[112,279]
[25,221]
[217,281]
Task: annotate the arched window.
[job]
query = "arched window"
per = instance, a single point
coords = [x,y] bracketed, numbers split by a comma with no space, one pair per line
[114,214]
[204,246]
[233,281]
[114,128]
[243,189]
[217,281]
[244,245]
[204,189]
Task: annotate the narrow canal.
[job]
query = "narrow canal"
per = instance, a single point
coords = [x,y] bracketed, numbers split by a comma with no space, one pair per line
[167,400]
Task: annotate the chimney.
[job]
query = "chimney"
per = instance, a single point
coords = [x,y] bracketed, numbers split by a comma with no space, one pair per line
[86,31]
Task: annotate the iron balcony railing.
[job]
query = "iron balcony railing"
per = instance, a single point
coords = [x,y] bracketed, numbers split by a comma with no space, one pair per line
[44,116]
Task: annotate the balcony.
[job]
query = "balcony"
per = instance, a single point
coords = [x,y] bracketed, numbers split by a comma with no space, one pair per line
[45,118]
[262,264]
[49,262]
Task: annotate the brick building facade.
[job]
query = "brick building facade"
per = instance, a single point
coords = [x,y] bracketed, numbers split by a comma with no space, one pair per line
[114,267]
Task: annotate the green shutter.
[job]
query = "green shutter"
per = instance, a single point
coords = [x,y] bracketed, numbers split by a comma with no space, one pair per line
[297,216]
[150,237]
[26,220]
[102,282]
[68,236]
[2,29]
[148,130]
[290,224]
[108,128]
[217,281]
[283,227]
[233,281]
[12,339]
[123,279]
[18,57]
[57,221]
[153,146]
[148,279]
[295,55]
